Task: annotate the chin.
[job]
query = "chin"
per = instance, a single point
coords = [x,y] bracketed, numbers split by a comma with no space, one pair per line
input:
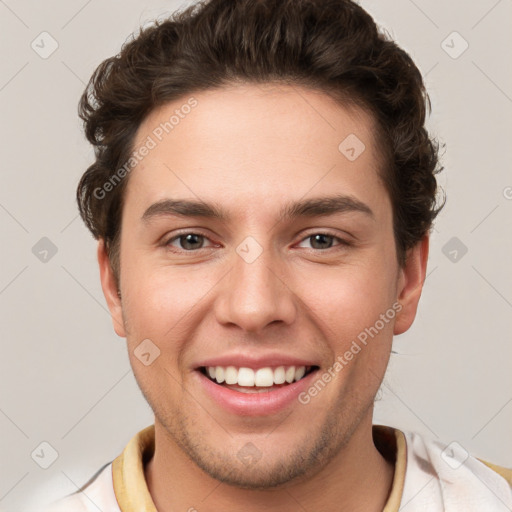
[264,463]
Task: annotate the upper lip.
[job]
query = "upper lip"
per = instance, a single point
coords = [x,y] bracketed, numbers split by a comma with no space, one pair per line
[253,361]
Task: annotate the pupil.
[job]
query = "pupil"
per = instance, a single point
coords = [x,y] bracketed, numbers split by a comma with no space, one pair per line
[322,240]
[190,239]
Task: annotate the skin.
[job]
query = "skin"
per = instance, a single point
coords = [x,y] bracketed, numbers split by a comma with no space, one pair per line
[252,149]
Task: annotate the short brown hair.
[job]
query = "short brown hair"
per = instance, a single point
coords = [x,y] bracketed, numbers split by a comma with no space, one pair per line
[332,46]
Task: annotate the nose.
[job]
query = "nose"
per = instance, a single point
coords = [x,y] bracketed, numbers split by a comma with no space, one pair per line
[256,294]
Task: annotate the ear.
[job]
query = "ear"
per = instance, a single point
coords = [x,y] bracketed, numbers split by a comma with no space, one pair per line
[410,283]
[108,284]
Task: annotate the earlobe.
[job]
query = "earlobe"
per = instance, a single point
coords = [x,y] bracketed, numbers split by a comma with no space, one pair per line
[110,291]
[410,284]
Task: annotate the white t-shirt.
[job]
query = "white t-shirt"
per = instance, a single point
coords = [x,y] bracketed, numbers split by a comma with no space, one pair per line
[429,477]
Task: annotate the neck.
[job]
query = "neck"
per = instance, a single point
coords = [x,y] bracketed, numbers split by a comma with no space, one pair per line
[357,479]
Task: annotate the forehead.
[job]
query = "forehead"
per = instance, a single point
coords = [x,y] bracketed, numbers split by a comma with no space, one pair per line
[256,142]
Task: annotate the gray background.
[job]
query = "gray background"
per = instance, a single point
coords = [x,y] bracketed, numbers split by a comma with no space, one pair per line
[65,375]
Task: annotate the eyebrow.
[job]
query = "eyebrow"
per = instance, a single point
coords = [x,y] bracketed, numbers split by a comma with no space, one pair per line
[314,207]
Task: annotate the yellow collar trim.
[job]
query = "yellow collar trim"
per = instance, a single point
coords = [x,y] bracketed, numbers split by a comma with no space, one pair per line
[130,486]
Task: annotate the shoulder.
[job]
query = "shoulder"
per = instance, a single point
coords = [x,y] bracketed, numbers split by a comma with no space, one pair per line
[96,494]
[448,475]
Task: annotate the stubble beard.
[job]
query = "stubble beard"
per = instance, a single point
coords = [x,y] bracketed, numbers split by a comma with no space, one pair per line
[312,453]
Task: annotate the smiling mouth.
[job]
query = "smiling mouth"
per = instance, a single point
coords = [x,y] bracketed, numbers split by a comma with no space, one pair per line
[260,380]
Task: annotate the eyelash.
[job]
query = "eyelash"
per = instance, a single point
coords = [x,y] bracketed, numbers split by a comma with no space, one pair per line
[341,242]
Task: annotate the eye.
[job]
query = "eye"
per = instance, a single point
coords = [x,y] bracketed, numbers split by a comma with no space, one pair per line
[191,241]
[322,241]
[187,241]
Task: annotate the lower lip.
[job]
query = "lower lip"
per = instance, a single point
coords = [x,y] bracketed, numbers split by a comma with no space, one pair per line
[255,404]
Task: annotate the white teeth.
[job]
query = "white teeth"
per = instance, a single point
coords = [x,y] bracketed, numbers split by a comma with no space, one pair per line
[279,375]
[220,374]
[245,377]
[290,374]
[231,375]
[262,377]
[299,372]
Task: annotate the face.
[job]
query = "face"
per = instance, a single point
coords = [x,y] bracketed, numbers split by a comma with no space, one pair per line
[258,251]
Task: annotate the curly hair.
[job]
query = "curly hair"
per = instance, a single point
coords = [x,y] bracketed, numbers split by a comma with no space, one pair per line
[332,46]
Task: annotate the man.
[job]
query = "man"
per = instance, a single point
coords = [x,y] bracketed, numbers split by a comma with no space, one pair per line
[262,194]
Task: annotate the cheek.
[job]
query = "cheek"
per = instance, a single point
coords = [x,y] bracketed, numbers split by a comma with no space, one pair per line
[160,300]
[157,310]
[350,299]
